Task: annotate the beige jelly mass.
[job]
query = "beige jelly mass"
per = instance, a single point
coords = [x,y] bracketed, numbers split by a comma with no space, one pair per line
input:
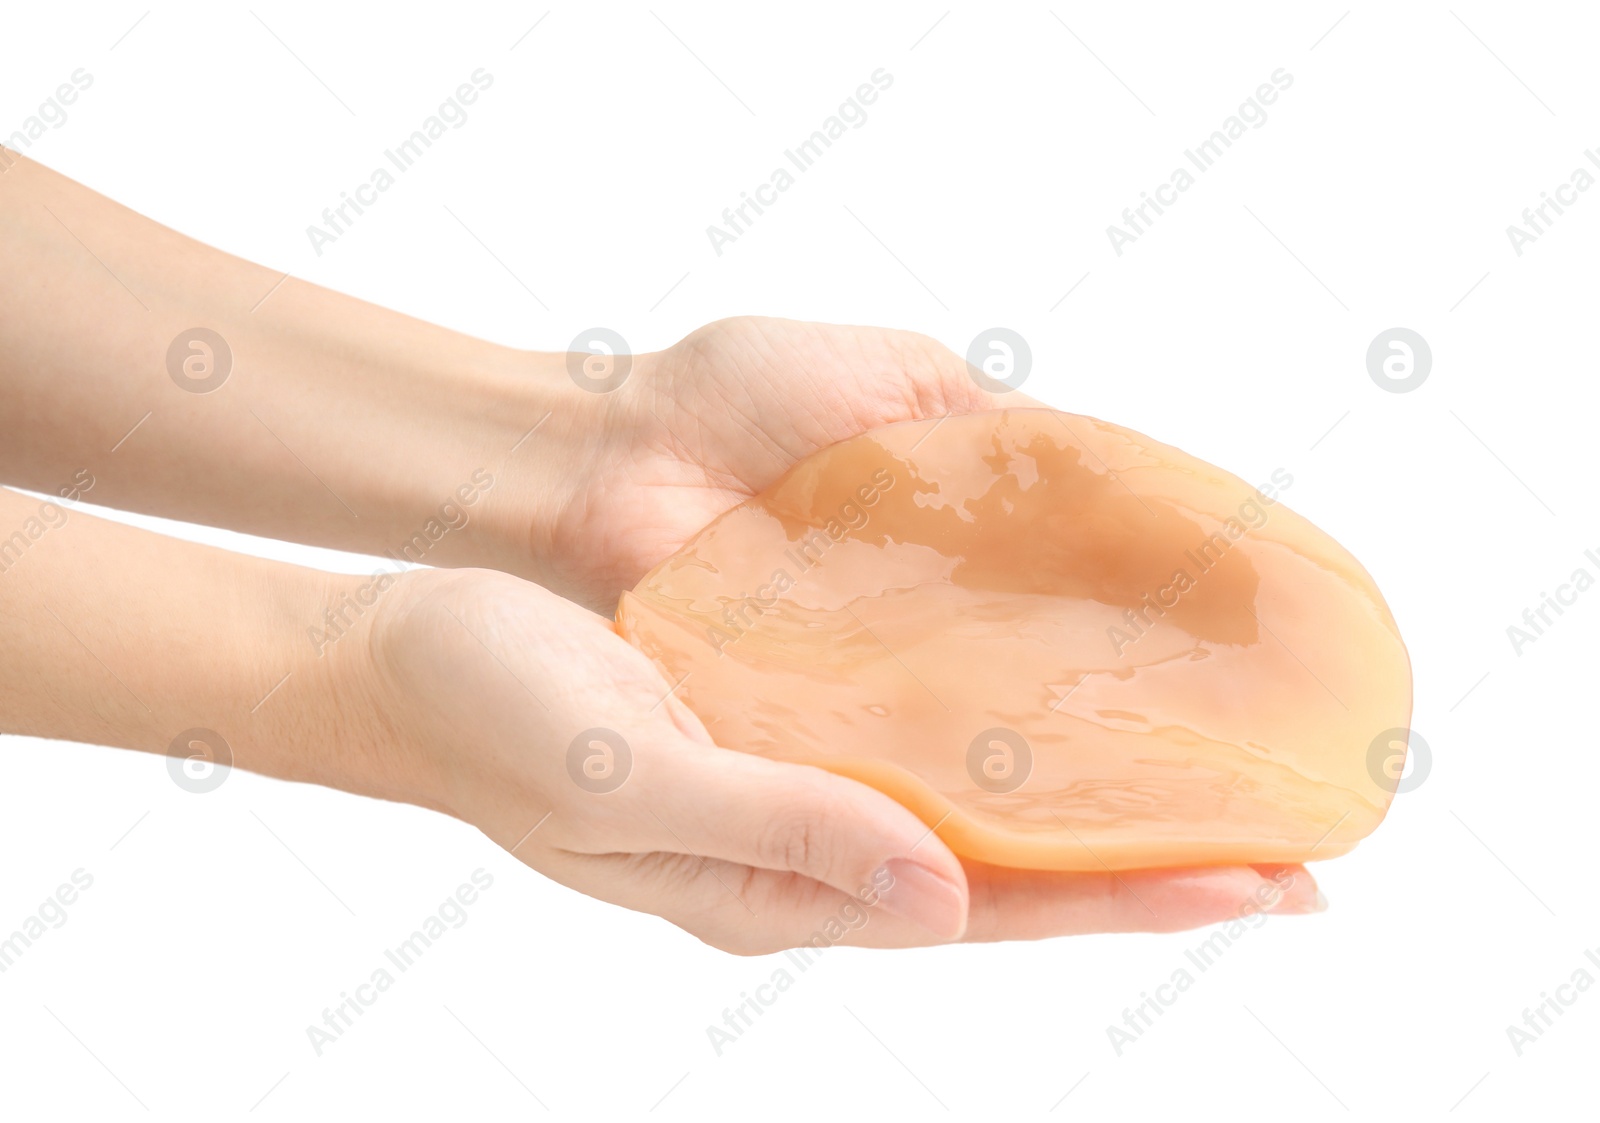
[1060,643]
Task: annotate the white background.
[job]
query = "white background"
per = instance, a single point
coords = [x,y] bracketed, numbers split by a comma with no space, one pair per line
[978,192]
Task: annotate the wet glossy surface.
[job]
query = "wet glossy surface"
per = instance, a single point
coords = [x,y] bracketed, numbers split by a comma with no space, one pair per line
[1067,645]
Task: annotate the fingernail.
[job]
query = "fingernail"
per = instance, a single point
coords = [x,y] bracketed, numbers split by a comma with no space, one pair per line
[1300,900]
[925,898]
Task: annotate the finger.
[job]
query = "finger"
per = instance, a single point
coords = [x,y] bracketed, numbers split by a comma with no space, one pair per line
[1009,904]
[713,803]
[748,911]
[1301,894]
[737,908]
[729,906]
[1012,904]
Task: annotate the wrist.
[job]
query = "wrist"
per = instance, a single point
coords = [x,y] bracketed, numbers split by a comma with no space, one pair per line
[525,436]
[504,447]
[544,444]
[442,469]
[358,732]
[412,689]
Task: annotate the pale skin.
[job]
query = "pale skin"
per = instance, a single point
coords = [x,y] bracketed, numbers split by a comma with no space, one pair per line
[459,687]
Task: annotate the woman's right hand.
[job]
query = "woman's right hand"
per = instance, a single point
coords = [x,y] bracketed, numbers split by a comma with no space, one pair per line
[527,716]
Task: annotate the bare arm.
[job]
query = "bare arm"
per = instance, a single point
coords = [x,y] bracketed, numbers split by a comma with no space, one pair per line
[294,412]
[117,636]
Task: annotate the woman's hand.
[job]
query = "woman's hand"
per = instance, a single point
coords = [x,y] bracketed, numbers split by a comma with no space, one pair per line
[528,717]
[326,420]
[478,694]
[720,415]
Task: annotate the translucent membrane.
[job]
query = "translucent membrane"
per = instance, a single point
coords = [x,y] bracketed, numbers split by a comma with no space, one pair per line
[1060,643]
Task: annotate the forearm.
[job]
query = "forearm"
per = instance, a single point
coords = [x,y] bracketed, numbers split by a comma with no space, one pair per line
[117,636]
[331,421]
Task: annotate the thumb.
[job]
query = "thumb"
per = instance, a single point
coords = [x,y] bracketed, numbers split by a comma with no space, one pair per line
[961,387]
[774,815]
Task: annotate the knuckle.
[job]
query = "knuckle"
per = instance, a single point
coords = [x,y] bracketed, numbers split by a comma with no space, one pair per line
[793,842]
